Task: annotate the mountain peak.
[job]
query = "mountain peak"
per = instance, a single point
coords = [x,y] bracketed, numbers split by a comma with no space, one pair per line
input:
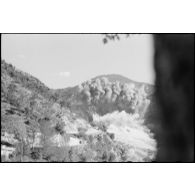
[122,79]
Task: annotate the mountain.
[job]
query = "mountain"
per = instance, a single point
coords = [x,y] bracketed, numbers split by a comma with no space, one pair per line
[76,123]
[116,77]
[105,94]
[25,104]
[11,75]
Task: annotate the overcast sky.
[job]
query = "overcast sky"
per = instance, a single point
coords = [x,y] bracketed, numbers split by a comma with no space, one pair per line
[62,60]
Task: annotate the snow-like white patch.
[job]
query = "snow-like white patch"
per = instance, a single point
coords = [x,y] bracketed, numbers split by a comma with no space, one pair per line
[129,130]
[75,141]
[92,131]
[9,138]
[72,126]
[58,140]
[37,140]
[6,151]
[135,137]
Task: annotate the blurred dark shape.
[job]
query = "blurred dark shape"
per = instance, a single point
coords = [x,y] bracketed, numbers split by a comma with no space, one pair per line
[174,66]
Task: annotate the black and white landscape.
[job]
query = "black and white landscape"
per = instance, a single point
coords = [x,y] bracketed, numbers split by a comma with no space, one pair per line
[105,118]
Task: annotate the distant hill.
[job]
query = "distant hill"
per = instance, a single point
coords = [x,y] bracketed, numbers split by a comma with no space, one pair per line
[116,77]
[75,99]
[21,84]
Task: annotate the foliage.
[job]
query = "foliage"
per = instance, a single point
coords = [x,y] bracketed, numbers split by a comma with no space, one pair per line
[24,79]
[113,36]
[103,96]
[40,119]
[14,125]
[129,130]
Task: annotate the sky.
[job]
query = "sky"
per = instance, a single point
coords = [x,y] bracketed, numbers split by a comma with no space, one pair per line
[65,60]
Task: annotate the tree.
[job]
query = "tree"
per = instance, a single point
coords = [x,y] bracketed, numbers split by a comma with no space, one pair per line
[14,125]
[114,36]
[18,96]
[59,127]
[12,94]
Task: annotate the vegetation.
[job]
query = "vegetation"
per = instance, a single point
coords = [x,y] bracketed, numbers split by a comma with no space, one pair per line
[105,96]
[43,125]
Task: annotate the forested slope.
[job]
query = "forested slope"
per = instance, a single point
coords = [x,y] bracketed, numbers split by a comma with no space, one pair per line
[68,125]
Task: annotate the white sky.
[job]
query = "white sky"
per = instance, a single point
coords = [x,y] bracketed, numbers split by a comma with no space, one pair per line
[63,60]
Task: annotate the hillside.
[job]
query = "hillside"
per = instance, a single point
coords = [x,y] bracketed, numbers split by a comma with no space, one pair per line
[105,94]
[74,124]
[115,77]
[11,75]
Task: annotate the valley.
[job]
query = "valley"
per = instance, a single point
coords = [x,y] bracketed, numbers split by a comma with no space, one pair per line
[105,119]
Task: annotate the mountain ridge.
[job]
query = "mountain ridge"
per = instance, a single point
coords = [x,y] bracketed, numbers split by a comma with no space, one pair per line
[111,77]
[121,78]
